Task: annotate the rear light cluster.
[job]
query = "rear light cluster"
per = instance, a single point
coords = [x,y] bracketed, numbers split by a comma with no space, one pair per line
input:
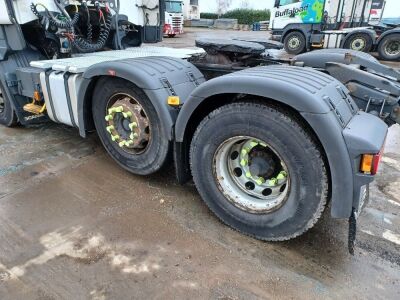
[370,163]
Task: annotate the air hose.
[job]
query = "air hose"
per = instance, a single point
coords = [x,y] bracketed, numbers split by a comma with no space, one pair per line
[85,46]
[68,24]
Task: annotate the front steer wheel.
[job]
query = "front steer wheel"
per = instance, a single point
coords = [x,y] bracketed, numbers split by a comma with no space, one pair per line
[129,127]
[259,170]
[295,43]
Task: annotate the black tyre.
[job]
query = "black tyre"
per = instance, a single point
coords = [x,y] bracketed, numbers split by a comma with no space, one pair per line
[259,171]
[359,42]
[132,39]
[129,127]
[295,43]
[171,35]
[389,47]
[7,114]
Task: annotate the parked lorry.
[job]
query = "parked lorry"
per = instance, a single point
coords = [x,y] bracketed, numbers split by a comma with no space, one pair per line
[173,18]
[268,142]
[303,25]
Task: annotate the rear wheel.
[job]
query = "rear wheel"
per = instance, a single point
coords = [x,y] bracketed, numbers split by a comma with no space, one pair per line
[389,47]
[359,42]
[129,127]
[171,35]
[259,171]
[7,114]
[295,43]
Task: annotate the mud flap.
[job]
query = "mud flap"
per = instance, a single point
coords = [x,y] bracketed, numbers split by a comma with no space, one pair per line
[355,213]
[352,231]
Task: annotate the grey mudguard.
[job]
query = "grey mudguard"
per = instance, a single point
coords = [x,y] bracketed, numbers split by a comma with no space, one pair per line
[320,58]
[371,33]
[305,29]
[364,134]
[386,33]
[323,102]
[158,77]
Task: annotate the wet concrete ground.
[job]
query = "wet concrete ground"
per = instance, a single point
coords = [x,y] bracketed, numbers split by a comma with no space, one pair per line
[73,225]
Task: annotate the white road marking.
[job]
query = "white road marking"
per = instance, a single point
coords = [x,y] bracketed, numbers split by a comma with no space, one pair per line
[391,236]
[388,221]
[394,202]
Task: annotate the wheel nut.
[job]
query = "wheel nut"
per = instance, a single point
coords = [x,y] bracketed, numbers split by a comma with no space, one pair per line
[129,143]
[260,181]
[248,174]
[272,182]
[119,109]
[121,144]
[114,138]
[109,117]
[133,136]
[132,125]
[243,162]
[281,176]
[127,114]
[110,128]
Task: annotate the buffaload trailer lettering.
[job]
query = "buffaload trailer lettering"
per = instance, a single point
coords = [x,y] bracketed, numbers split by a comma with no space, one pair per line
[291,12]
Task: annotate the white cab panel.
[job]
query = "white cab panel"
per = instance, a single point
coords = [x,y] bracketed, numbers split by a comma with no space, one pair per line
[55,97]
[22,9]
[74,84]
[4,18]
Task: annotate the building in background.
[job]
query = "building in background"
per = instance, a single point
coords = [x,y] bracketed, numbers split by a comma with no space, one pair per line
[191,9]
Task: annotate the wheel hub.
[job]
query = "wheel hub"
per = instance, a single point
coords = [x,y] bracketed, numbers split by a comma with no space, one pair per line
[251,175]
[358,44]
[393,48]
[294,43]
[127,124]
[261,163]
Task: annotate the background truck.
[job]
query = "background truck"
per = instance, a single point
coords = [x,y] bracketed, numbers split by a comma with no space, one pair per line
[173,18]
[315,24]
[268,142]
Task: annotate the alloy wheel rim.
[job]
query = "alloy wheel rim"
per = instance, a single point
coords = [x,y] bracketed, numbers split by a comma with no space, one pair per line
[127,123]
[393,48]
[294,43]
[358,44]
[251,174]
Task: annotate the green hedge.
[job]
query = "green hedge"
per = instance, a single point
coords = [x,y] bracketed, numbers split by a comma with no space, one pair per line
[248,16]
[208,16]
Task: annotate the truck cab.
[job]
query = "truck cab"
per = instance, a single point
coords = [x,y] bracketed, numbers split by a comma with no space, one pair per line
[173,18]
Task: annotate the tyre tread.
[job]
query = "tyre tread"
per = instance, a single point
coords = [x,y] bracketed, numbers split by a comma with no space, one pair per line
[291,118]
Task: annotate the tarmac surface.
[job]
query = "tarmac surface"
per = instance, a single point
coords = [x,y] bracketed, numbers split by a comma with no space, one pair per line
[74,225]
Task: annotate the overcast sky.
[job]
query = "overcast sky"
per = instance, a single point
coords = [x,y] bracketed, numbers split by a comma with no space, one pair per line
[392,6]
